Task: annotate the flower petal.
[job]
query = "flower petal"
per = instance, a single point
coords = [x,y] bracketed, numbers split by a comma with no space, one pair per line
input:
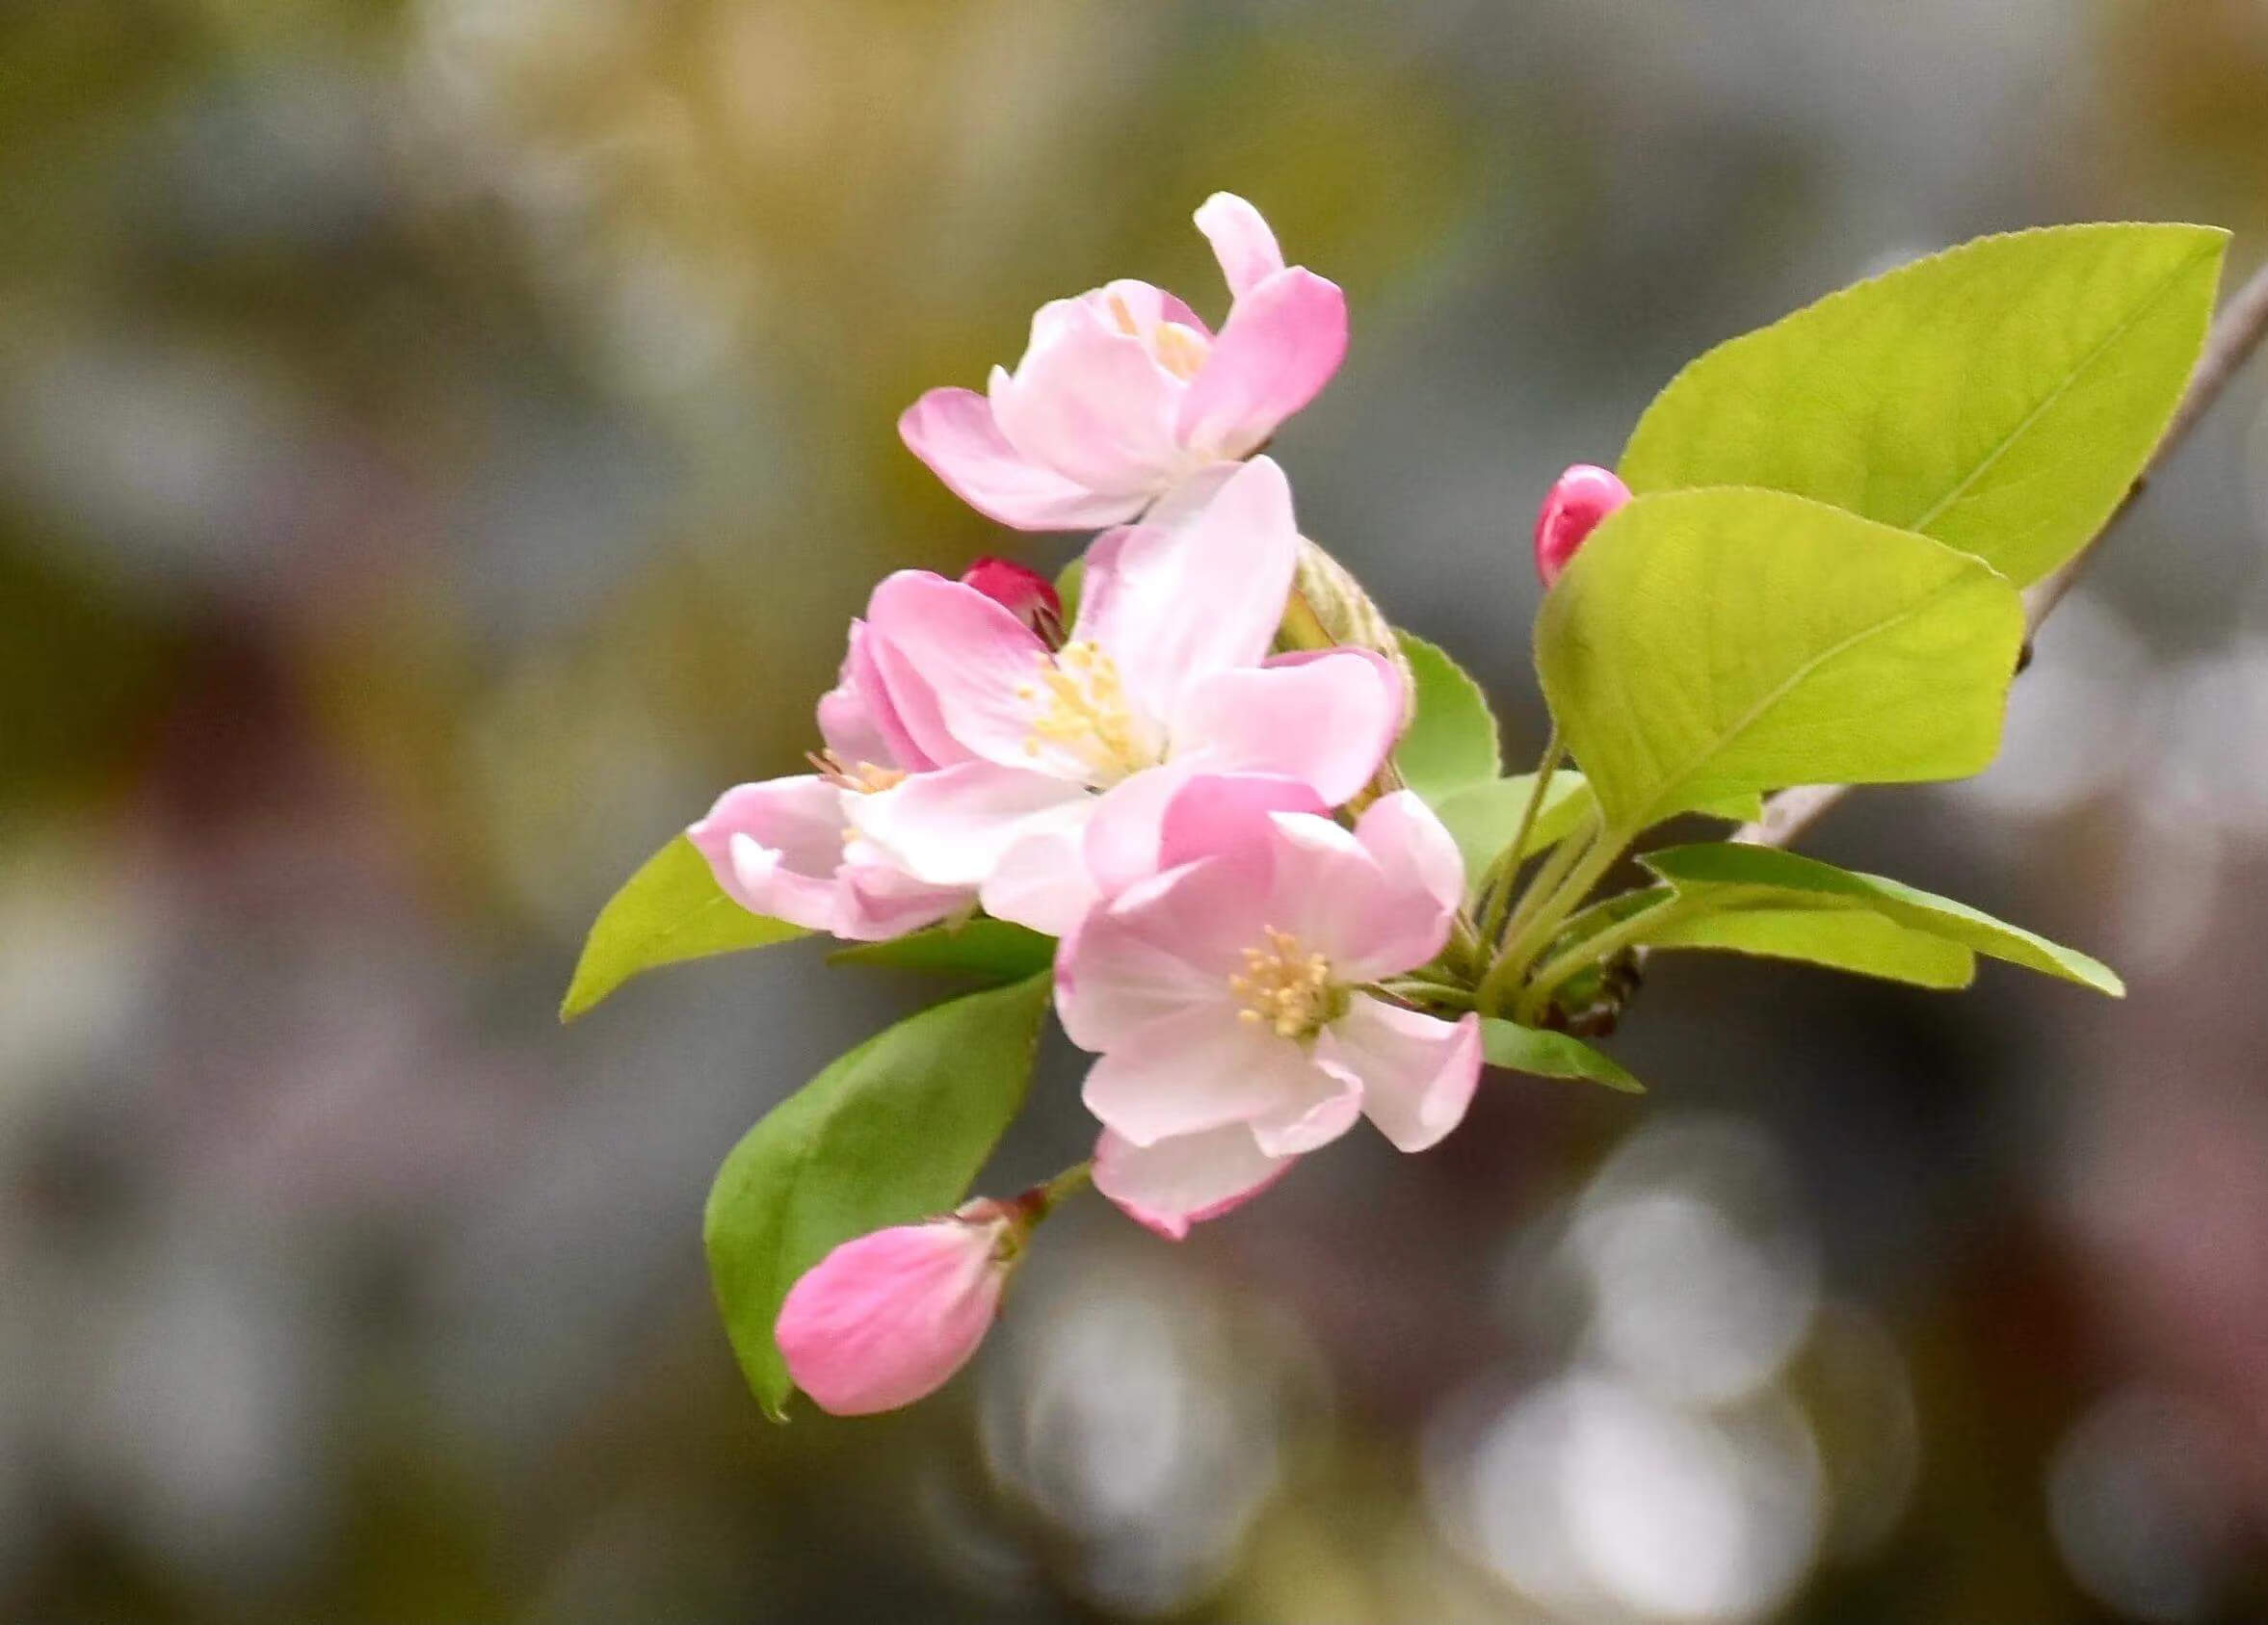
[952,827]
[1198,1068]
[1167,816]
[952,432]
[888,1318]
[880,899]
[1329,891]
[970,666]
[1215,814]
[1172,606]
[1163,946]
[1417,1071]
[1333,1103]
[1091,403]
[1414,847]
[1325,718]
[775,846]
[1042,880]
[857,719]
[1273,355]
[1241,241]
[1186,1180]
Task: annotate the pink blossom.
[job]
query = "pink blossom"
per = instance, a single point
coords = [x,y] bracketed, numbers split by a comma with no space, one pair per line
[785,847]
[1123,393]
[888,1318]
[1229,997]
[1057,763]
[1024,594]
[1572,509]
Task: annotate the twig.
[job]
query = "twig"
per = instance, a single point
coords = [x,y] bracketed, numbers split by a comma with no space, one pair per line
[2239,331]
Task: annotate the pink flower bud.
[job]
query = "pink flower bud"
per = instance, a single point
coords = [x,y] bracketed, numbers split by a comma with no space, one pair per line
[1023,593]
[886,1319]
[1578,501]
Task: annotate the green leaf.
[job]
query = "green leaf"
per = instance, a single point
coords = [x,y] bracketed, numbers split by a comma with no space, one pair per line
[1743,808]
[1722,875]
[891,1134]
[670,909]
[1451,742]
[991,949]
[1844,940]
[2001,397]
[1480,818]
[1551,1055]
[1710,644]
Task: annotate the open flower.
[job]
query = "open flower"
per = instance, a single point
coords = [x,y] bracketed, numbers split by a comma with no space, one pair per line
[888,1318]
[1124,393]
[1229,997]
[785,847]
[1057,763]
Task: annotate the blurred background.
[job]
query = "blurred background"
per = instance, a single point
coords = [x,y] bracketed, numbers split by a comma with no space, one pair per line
[442,443]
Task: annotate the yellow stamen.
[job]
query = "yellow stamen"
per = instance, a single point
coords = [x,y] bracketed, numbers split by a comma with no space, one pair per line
[1179,350]
[865,779]
[1086,713]
[1284,985]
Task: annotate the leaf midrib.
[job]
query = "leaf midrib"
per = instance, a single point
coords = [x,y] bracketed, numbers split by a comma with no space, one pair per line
[2062,387]
[1959,580]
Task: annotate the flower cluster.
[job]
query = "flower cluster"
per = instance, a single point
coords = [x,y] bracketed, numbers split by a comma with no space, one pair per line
[1199,818]
[1200,813]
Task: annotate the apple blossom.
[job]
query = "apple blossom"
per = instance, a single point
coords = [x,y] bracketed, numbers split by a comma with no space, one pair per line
[786,848]
[888,1318]
[1055,764]
[1578,500]
[1228,996]
[1123,394]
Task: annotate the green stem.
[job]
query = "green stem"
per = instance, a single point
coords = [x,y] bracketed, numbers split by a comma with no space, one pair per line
[1544,885]
[1495,888]
[1596,948]
[1413,989]
[1041,1199]
[1531,938]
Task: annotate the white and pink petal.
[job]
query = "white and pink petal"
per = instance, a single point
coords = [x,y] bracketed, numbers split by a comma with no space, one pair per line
[952,827]
[953,430]
[1418,1072]
[1278,347]
[1327,718]
[1198,1068]
[1176,1182]
[1174,605]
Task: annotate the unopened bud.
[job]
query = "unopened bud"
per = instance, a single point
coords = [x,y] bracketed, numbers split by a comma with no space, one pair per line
[888,1318]
[1023,593]
[1577,502]
[1330,609]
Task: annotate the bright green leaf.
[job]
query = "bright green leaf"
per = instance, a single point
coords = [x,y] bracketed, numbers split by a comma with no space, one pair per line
[991,949]
[1551,1055]
[1716,644]
[1743,808]
[670,909]
[891,1134]
[1480,818]
[2001,397]
[1841,939]
[1723,875]
[1451,742]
